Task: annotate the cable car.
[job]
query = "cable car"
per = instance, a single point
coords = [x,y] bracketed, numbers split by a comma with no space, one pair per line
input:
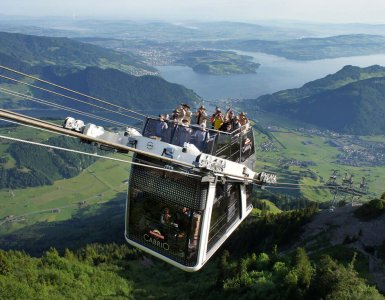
[184,216]
[189,187]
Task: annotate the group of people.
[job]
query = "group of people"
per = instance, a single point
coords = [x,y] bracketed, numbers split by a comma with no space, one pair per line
[179,224]
[227,122]
[182,115]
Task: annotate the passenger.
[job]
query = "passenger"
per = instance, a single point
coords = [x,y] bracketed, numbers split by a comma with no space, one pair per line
[201,137]
[217,119]
[165,218]
[166,134]
[244,121]
[201,116]
[231,116]
[184,133]
[212,118]
[236,125]
[182,113]
[225,125]
[161,127]
[183,219]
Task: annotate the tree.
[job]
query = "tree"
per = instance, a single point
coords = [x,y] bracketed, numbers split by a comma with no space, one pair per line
[5,267]
[303,268]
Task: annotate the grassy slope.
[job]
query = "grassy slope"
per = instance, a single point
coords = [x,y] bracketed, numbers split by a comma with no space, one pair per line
[323,155]
[100,182]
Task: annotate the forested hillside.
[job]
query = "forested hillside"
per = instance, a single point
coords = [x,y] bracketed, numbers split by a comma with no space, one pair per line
[310,48]
[86,68]
[38,50]
[349,101]
[35,166]
[129,91]
[250,267]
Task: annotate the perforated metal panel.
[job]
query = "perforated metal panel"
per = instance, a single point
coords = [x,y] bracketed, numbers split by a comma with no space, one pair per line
[177,188]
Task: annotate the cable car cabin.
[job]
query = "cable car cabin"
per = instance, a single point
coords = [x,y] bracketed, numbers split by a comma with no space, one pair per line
[184,216]
[191,188]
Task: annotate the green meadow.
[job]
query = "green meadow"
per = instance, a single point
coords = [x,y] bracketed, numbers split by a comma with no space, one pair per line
[99,183]
[322,157]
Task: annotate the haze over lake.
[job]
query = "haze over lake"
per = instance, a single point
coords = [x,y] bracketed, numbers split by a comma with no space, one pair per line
[275,74]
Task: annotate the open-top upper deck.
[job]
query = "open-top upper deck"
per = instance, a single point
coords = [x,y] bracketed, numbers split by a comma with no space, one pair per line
[236,146]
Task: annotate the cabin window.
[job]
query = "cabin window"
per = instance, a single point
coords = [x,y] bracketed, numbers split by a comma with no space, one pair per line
[226,211]
[164,213]
[164,227]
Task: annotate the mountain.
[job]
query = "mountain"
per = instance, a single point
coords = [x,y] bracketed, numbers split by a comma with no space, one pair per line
[87,68]
[311,48]
[135,92]
[349,101]
[39,50]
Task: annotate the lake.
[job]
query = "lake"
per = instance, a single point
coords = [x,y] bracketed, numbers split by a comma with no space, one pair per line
[275,74]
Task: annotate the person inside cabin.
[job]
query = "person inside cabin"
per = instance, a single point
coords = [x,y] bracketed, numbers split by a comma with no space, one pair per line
[201,116]
[165,218]
[217,119]
[201,137]
[161,127]
[166,131]
[184,133]
[244,121]
[231,116]
[183,219]
[182,113]
[226,126]
[236,125]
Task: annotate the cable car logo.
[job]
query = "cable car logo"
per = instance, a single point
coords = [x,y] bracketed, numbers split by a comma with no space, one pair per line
[150,145]
[156,233]
[156,242]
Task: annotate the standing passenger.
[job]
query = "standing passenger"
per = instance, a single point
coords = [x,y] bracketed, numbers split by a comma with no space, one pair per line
[182,113]
[184,133]
[201,116]
[201,138]
[237,125]
[217,119]
[244,121]
[161,127]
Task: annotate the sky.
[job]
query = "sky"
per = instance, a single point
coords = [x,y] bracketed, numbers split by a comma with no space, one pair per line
[331,11]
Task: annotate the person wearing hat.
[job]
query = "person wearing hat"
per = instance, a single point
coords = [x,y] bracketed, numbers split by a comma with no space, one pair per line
[181,113]
[201,116]
[244,121]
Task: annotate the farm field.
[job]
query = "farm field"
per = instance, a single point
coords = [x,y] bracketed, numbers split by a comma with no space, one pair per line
[99,183]
[306,161]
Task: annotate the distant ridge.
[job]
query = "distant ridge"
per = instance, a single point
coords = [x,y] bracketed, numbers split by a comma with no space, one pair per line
[89,69]
[141,92]
[39,50]
[349,101]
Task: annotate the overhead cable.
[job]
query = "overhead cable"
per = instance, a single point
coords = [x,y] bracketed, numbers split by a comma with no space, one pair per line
[69,90]
[59,106]
[71,98]
[94,155]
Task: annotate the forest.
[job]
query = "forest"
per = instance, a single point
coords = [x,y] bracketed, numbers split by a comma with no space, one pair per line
[266,268]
